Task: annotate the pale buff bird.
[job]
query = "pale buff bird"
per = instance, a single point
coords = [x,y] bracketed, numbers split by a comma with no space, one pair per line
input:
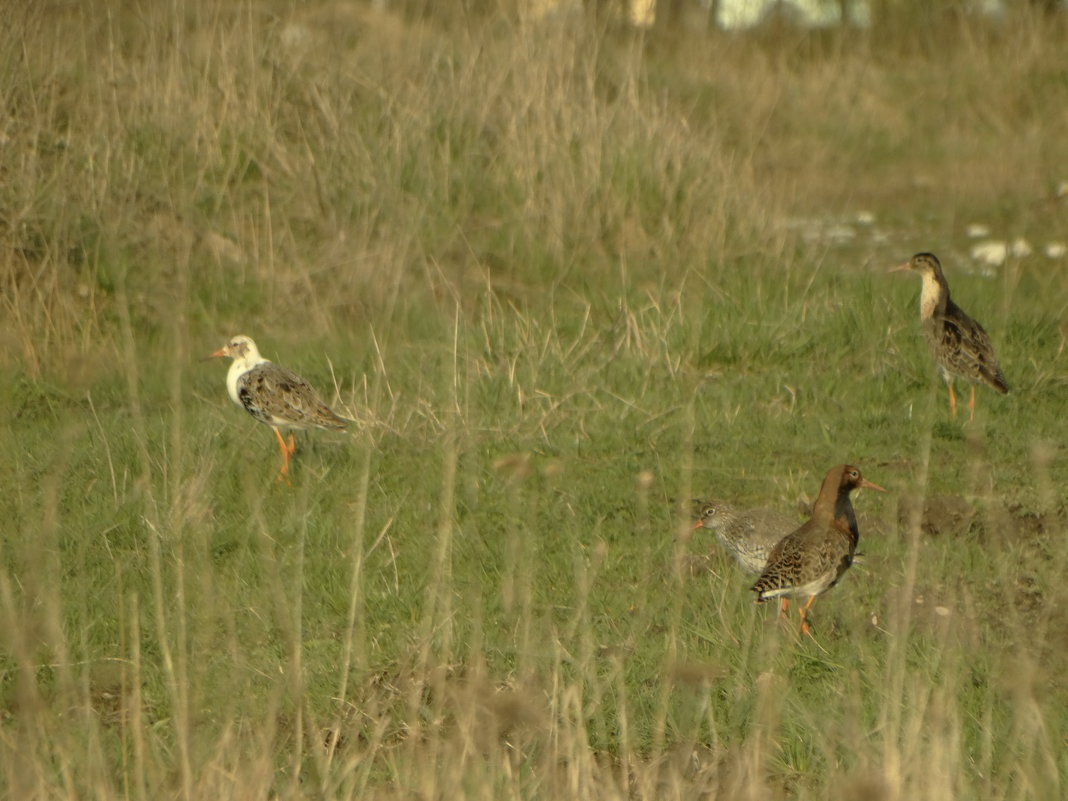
[274,395]
[960,346]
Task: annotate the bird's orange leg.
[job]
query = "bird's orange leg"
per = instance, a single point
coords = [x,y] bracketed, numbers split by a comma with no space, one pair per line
[285,453]
[952,401]
[971,405]
[805,629]
[292,446]
[782,607]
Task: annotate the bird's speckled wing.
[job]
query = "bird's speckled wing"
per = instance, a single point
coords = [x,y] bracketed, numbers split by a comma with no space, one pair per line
[785,564]
[962,347]
[837,550]
[277,396]
[808,561]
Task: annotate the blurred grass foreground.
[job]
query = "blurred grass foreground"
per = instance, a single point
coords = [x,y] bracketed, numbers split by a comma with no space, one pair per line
[567,274]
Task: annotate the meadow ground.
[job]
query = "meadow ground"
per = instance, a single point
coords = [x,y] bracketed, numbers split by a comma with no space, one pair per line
[566,279]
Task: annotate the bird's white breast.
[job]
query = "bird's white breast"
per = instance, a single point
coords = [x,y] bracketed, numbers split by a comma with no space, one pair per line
[233,378]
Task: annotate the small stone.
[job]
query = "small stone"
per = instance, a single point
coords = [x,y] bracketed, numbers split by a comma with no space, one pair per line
[992,253]
[1020,248]
[1056,250]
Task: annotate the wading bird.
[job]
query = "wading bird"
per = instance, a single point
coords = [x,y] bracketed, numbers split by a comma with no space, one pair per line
[813,558]
[960,346]
[274,395]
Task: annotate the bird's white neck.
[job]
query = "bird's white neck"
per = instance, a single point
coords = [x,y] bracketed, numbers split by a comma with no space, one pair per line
[238,368]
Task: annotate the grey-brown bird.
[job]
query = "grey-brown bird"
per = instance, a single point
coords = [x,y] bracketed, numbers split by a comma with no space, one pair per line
[274,395]
[749,535]
[811,559]
[960,346]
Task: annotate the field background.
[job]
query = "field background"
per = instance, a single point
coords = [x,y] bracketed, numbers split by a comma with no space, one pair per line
[567,278]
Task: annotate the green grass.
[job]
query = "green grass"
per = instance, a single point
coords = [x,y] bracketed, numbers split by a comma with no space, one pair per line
[557,277]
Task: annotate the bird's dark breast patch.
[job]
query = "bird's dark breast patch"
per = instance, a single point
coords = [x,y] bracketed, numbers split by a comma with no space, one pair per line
[247,398]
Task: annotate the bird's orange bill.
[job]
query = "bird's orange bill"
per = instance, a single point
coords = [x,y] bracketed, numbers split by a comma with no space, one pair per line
[899,268]
[699,524]
[215,355]
[865,483]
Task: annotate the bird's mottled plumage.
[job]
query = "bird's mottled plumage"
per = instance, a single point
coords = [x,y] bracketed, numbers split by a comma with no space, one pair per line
[960,346]
[811,559]
[749,535]
[274,395]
